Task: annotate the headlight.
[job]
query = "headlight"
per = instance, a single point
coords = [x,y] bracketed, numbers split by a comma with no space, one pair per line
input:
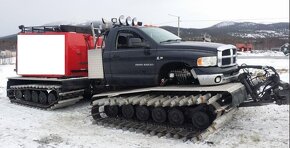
[207,61]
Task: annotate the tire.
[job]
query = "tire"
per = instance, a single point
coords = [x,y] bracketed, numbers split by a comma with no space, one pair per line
[18,94]
[27,95]
[159,115]
[34,96]
[51,98]
[43,97]
[175,117]
[128,111]
[142,113]
[112,111]
[200,120]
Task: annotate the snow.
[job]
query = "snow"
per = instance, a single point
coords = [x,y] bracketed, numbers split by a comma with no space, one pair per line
[262,54]
[20,126]
[260,34]
[225,24]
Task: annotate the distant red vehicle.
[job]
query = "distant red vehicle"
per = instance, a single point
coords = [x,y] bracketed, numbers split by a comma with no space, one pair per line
[244,47]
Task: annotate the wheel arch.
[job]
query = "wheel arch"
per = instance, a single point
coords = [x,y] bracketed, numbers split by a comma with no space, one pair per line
[166,67]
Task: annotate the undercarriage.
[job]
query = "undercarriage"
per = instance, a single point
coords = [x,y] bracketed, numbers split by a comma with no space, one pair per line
[173,111]
[188,112]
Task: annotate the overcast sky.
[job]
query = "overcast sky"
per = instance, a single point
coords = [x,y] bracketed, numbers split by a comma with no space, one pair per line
[193,13]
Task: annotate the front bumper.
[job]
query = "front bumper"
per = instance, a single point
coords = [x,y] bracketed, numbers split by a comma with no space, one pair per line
[215,75]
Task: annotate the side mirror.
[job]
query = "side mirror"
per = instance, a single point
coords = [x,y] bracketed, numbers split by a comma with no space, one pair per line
[137,42]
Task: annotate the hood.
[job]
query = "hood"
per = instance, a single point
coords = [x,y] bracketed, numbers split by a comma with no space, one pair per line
[207,46]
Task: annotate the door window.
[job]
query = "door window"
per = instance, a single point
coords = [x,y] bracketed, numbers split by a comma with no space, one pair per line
[129,39]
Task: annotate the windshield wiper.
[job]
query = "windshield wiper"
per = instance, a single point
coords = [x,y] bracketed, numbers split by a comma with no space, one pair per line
[170,40]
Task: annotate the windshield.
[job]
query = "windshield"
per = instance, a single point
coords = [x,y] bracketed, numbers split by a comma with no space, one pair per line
[160,35]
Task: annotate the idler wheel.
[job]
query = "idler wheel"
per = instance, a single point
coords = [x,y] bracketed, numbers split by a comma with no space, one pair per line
[27,95]
[18,94]
[34,96]
[142,113]
[43,97]
[159,115]
[95,112]
[112,111]
[175,117]
[51,98]
[200,120]
[128,111]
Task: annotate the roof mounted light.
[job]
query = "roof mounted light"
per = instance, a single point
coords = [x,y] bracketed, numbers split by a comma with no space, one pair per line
[21,27]
[104,21]
[114,20]
[122,20]
[134,21]
[128,21]
[140,23]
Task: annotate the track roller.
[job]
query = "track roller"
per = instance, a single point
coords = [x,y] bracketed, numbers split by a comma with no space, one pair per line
[34,96]
[159,115]
[112,111]
[18,94]
[175,116]
[51,97]
[128,111]
[43,97]
[142,113]
[27,95]
[200,120]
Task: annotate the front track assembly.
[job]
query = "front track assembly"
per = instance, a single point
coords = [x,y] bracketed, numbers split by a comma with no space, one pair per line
[187,115]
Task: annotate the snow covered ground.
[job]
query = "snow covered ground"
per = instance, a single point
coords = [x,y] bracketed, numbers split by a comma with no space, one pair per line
[20,126]
[262,54]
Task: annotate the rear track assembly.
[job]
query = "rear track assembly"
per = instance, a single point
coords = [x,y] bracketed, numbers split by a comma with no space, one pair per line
[43,96]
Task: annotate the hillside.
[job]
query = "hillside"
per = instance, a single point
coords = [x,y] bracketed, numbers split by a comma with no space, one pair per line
[262,36]
[8,42]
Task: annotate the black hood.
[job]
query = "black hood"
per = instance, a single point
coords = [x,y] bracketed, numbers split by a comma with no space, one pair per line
[207,46]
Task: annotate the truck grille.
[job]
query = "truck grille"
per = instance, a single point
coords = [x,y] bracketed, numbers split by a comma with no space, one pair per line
[227,56]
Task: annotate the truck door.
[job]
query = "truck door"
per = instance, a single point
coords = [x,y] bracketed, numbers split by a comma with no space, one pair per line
[133,61]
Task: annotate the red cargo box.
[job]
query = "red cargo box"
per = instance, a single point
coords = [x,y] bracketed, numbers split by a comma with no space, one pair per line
[53,54]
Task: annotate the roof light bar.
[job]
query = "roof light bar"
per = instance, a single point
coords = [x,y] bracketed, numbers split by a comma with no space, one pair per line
[134,21]
[122,20]
[128,21]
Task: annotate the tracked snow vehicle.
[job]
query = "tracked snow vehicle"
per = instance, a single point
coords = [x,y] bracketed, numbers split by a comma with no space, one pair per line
[147,79]
[198,85]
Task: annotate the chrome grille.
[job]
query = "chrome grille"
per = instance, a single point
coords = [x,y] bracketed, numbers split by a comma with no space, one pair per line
[227,55]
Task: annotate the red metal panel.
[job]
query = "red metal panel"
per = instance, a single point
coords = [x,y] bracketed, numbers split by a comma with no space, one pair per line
[76,47]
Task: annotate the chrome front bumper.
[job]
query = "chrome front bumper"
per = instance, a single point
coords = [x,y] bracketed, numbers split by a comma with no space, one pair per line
[212,79]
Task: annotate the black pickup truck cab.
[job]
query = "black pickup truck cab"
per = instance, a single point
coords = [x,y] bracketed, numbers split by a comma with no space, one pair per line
[151,56]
